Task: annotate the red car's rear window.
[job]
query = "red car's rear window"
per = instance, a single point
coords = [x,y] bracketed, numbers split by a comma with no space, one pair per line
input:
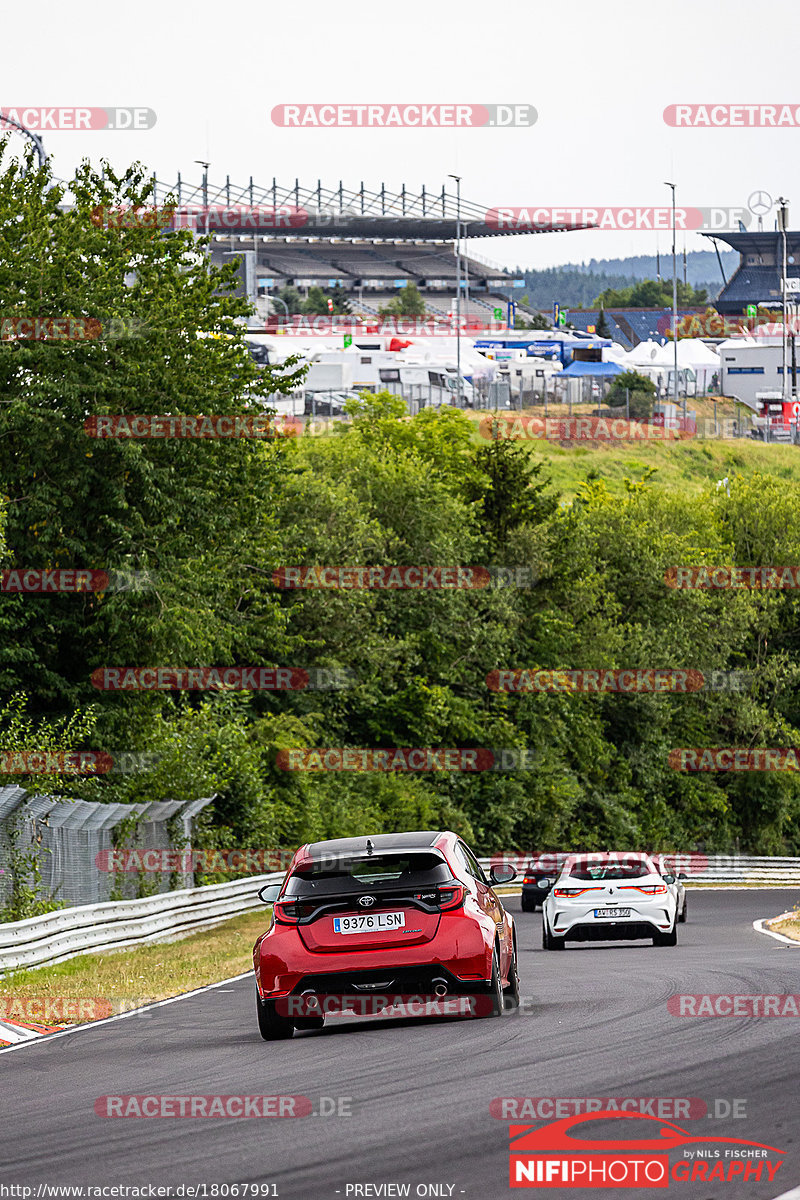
[362,874]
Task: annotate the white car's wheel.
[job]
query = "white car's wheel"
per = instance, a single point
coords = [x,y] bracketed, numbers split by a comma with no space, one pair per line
[549,940]
[667,939]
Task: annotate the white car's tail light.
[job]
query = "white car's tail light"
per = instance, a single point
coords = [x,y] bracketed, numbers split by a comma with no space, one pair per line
[649,889]
[562,891]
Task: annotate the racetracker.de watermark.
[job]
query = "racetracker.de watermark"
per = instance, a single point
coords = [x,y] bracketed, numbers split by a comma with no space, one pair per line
[55,762]
[41,119]
[732,1005]
[403,116]
[207,679]
[667,1108]
[735,758]
[732,116]
[167,859]
[260,426]
[54,1010]
[403,578]
[206,217]
[579,429]
[722,218]
[630,680]
[406,759]
[70,329]
[33,581]
[389,1005]
[735,578]
[203,1106]
[49,329]
[550,862]
[401,327]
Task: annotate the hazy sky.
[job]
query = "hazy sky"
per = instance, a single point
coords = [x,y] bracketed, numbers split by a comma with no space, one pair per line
[599,75]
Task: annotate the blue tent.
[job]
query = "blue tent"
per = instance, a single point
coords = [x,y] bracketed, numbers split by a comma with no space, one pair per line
[602,369]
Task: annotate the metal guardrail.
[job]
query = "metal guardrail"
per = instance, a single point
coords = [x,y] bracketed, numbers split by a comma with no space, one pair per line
[60,935]
[698,868]
[57,936]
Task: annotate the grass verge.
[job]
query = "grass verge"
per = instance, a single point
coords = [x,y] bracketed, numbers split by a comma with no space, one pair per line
[788,926]
[689,465]
[116,982]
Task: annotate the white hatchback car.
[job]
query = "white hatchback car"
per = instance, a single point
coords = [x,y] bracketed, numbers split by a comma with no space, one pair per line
[677,887]
[610,897]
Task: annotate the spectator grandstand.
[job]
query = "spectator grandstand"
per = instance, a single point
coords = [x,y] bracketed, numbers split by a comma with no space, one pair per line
[372,273]
[757,279]
[370,243]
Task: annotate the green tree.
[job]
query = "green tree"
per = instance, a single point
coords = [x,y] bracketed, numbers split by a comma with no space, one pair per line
[650,293]
[637,390]
[341,301]
[510,490]
[316,303]
[602,328]
[292,299]
[407,303]
[190,514]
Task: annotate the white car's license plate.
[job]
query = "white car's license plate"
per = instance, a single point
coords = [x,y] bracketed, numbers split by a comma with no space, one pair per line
[612,912]
[364,922]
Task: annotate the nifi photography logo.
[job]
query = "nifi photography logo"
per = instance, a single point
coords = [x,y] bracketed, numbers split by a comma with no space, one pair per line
[552,1156]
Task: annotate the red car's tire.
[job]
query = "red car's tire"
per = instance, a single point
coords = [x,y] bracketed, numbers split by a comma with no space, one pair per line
[496,987]
[511,994]
[271,1025]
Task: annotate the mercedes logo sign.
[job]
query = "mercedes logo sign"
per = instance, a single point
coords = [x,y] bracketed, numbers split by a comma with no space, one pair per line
[759,203]
[366,901]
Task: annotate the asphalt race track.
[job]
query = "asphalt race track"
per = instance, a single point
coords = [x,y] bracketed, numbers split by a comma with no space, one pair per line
[594,1023]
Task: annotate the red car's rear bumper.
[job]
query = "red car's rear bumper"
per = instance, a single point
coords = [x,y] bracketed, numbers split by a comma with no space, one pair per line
[460,948]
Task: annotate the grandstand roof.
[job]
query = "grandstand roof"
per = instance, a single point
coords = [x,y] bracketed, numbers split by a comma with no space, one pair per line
[337,212]
[767,241]
[753,282]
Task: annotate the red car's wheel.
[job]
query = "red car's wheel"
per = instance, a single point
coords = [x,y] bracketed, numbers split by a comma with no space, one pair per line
[496,987]
[271,1025]
[512,990]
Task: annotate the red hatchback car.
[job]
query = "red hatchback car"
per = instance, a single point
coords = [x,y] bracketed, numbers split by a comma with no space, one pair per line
[400,913]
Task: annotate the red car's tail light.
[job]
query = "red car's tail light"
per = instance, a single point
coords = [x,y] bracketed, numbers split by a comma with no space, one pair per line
[451,897]
[649,889]
[289,912]
[443,897]
[574,891]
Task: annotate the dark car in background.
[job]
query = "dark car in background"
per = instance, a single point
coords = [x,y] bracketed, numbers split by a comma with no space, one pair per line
[536,884]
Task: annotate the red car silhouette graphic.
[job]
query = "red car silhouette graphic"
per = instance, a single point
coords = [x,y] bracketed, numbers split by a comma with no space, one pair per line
[555,1136]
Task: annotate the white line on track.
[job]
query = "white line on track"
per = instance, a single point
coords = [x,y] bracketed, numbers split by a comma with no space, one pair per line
[50,1037]
[779,937]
